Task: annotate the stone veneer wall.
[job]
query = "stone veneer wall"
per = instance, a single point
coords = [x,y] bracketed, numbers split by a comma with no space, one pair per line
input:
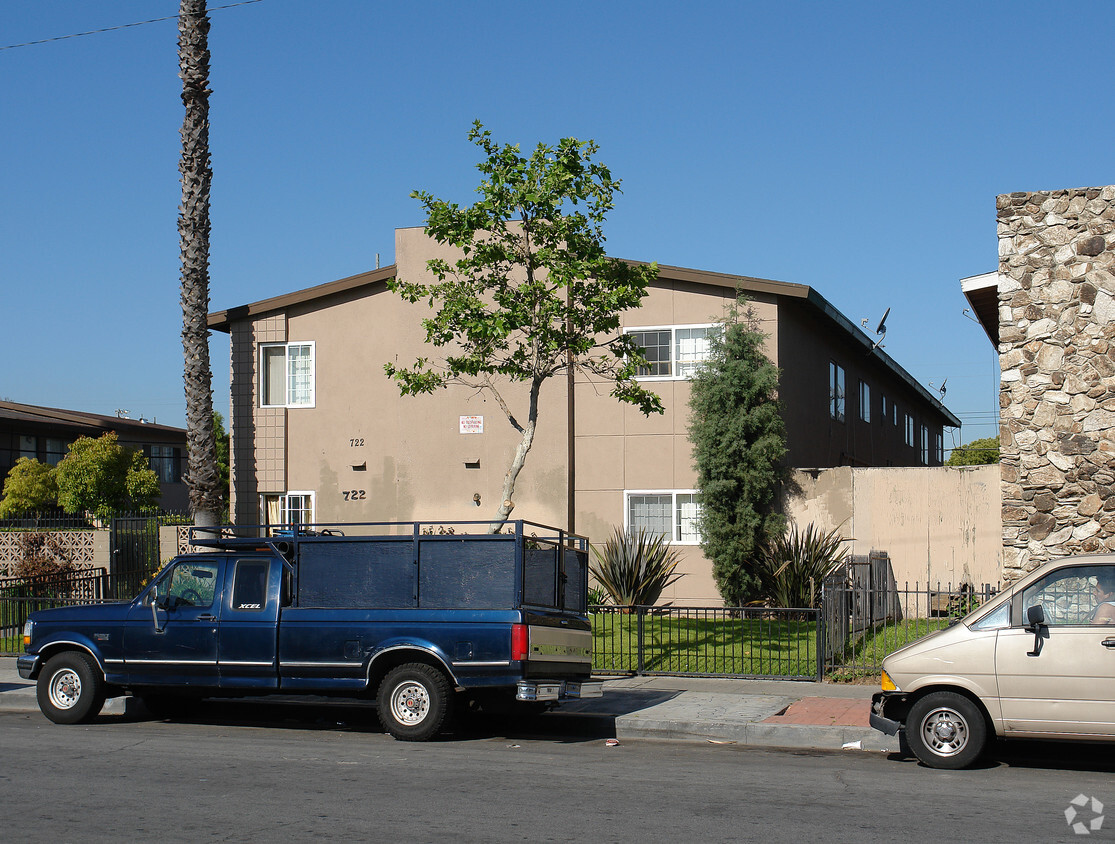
[1057,354]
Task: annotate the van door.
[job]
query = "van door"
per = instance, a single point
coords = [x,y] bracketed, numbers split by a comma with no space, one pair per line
[1068,687]
[249,623]
[175,643]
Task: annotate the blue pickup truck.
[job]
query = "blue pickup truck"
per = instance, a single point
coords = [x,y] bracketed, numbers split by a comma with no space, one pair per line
[418,617]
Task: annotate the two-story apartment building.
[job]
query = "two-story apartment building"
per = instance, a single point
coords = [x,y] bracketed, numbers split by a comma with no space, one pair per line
[46,433]
[319,433]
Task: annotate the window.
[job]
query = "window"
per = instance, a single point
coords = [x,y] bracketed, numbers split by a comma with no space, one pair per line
[287,375]
[674,352]
[669,513]
[909,430]
[924,445]
[836,391]
[864,401]
[250,591]
[28,447]
[293,508]
[55,451]
[940,447]
[1071,595]
[164,462]
[190,584]
[886,406]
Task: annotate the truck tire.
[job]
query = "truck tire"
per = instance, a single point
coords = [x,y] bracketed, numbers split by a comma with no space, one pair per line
[414,702]
[946,730]
[70,688]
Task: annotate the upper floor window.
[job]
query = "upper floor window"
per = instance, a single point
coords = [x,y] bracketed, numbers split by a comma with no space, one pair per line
[924,445]
[287,375]
[940,447]
[864,401]
[836,391]
[674,351]
[910,431]
[164,461]
[55,451]
[669,513]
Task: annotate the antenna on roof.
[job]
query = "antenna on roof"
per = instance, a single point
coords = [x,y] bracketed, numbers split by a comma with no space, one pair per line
[968,313]
[881,331]
[122,414]
[942,390]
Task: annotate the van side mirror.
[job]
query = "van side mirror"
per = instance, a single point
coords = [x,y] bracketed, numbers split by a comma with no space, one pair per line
[1035,623]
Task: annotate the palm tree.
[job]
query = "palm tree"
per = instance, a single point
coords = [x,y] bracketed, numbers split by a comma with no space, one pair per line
[193,234]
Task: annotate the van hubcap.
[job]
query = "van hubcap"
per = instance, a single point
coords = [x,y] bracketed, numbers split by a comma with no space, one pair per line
[945,731]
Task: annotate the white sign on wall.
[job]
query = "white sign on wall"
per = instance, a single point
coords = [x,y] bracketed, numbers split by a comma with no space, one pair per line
[472,424]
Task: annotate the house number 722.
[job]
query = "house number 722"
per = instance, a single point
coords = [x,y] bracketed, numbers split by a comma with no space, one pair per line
[354,494]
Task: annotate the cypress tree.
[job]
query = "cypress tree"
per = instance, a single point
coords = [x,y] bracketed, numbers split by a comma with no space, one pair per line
[738,441]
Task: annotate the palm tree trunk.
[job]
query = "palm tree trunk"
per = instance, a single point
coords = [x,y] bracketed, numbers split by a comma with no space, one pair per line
[193,234]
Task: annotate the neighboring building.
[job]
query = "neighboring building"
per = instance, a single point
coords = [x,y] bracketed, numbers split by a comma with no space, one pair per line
[45,434]
[319,432]
[1053,322]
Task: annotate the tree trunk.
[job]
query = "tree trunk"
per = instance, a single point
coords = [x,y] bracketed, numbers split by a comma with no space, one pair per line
[202,477]
[507,502]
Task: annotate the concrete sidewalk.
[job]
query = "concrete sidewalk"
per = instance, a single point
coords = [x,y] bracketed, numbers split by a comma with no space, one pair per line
[767,713]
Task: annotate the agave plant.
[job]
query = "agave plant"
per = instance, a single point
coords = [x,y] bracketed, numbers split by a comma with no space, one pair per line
[634,567]
[792,567]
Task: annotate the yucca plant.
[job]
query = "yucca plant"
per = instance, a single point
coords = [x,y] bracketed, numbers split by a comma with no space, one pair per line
[792,567]
[634,567]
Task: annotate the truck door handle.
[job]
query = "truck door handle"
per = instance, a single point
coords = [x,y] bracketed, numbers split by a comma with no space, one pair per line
[1108,643]
[210,617]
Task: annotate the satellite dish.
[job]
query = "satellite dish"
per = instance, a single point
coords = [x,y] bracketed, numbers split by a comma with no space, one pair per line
[881,331]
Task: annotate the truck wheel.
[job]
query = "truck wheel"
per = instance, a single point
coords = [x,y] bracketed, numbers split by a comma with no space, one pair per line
[414,702]
[71,689]
[946,730]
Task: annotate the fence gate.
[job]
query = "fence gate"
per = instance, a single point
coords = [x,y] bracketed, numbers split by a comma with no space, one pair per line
[135,554]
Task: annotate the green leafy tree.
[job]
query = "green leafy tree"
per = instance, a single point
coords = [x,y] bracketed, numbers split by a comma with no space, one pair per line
[102,477]
[533,292]
[979,452]
[738,442]
[222,454]
[29,488]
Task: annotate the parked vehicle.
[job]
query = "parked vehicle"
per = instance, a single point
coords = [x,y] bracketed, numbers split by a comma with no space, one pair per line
[1036,661]
[415,619]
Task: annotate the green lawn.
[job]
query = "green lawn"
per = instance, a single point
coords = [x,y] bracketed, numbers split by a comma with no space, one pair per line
[783,648]
[751,646]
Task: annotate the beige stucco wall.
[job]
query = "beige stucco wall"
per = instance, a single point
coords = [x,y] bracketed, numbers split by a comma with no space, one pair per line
[937,524]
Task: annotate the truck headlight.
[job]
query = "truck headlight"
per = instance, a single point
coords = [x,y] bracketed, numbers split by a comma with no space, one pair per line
[28,629]
[888,683]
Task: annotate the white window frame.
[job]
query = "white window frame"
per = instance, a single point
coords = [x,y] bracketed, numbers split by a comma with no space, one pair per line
[676,363]
[287,374]
[284,506]
[677,529]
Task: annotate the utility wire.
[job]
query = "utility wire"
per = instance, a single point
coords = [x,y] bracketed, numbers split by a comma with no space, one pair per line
[121,26]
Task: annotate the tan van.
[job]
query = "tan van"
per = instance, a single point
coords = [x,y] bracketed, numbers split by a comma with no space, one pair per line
[1036,661]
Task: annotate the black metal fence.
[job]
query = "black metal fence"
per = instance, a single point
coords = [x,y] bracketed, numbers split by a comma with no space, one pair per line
[704,641]
[847,637]
[19,597]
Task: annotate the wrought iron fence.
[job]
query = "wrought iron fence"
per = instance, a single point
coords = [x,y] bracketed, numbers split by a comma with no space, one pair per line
[704,641]
[19,597]
[862,625]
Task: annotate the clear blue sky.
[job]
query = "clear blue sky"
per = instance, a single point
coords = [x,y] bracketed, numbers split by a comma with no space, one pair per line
[854,147]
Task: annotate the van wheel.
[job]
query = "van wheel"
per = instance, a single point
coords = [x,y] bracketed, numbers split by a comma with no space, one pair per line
[414,702]
[70,689]
[946,730]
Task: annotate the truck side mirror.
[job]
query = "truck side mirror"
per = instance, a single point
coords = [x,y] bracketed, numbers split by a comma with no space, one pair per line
[1035,623]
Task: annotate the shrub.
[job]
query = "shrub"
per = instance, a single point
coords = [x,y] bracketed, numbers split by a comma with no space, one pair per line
[29,488]
[634,567]
[42,556]
[793,566]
